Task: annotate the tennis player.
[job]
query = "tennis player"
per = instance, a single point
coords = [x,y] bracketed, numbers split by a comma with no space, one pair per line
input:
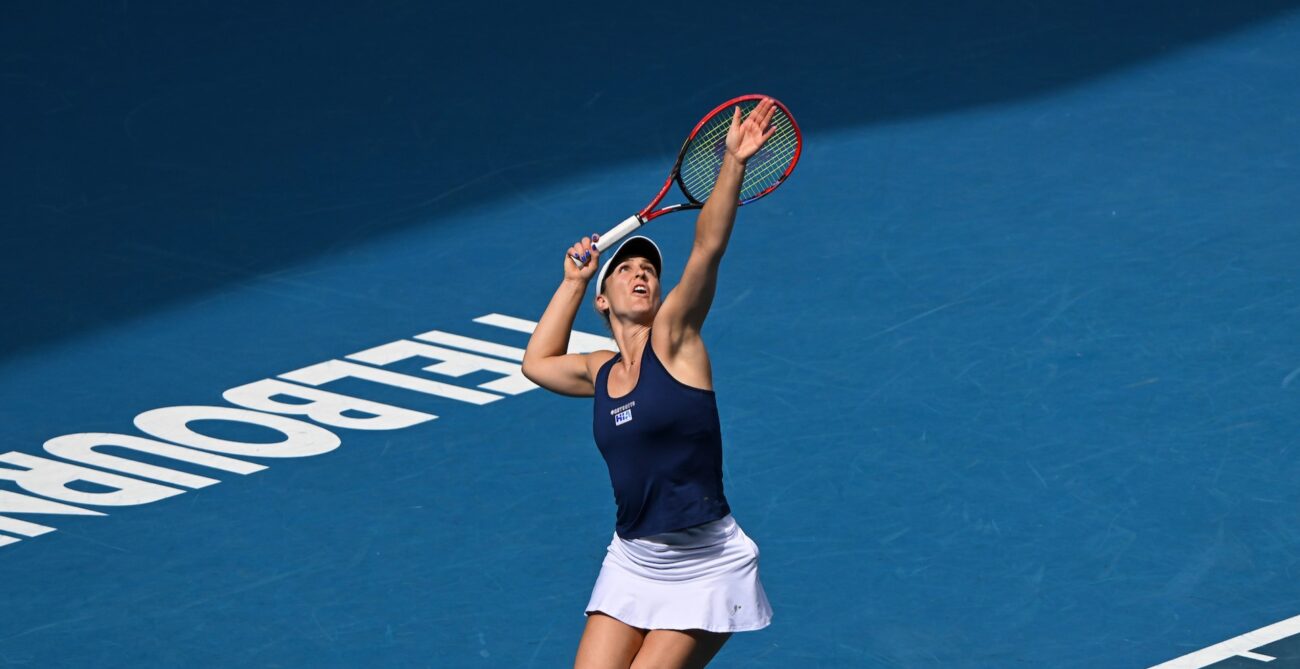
[680,576]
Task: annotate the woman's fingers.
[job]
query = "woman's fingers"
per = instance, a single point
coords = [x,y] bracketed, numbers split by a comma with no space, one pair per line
[585,249]
[761,117]
[762,114]
[749,134]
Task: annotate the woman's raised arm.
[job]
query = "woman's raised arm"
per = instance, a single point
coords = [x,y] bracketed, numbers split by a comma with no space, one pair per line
[686,307]
[546,360]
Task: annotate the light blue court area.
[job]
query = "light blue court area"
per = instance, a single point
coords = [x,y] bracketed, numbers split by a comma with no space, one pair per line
[1009,370]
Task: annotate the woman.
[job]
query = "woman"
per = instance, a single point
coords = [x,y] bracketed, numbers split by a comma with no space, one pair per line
[679,576]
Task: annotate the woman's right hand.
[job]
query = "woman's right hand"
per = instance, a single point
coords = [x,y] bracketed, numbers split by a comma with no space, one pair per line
[585,252]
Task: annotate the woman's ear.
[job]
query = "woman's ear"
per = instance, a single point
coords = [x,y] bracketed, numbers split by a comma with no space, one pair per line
[602,304]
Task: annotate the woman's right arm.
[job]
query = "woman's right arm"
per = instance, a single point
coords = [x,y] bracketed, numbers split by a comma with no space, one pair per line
[546,360]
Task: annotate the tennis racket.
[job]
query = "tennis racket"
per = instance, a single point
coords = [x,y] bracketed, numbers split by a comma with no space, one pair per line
[700,161]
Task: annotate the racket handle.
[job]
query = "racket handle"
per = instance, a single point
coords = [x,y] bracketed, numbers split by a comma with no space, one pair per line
[615,234]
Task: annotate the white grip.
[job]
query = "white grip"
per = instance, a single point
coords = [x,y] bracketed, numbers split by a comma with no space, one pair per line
[615,234]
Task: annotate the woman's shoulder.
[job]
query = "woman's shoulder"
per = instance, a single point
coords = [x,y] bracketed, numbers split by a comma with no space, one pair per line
[596,360]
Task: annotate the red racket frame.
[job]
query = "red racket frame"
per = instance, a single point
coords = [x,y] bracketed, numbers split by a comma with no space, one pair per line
[675,175]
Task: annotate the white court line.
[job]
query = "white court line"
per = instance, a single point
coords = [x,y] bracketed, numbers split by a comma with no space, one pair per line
[475,345]
[1241,646]
[579,342]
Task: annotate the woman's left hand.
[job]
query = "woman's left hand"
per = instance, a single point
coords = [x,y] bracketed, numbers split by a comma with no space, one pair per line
[745,138]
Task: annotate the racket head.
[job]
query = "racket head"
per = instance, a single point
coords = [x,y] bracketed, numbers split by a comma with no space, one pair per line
[700,160]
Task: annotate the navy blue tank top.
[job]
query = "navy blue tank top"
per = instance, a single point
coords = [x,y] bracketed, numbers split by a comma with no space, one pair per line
[662,443]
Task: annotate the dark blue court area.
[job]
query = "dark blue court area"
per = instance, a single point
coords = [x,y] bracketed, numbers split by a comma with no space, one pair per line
[1008,370]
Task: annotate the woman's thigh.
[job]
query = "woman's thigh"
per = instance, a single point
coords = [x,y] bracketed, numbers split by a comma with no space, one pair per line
[607,643]
[671,649]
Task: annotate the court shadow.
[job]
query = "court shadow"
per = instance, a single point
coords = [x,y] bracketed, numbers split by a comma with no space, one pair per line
[155,153]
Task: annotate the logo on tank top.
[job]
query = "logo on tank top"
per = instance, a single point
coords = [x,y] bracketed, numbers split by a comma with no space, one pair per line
[622,414]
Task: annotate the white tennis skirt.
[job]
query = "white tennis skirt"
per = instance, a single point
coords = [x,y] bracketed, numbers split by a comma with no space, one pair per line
[700,578]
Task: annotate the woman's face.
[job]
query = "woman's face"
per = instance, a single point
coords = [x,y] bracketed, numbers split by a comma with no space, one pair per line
[631,290]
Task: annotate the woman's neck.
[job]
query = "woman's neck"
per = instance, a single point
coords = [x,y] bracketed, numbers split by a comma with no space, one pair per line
[631,340]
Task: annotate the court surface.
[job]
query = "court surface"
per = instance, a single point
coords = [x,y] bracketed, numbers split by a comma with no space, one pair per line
[1008,370]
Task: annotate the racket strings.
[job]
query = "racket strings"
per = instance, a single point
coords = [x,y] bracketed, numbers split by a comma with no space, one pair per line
[703,159]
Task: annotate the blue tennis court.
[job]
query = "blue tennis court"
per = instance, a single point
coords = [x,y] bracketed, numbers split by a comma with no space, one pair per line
[1008,370]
